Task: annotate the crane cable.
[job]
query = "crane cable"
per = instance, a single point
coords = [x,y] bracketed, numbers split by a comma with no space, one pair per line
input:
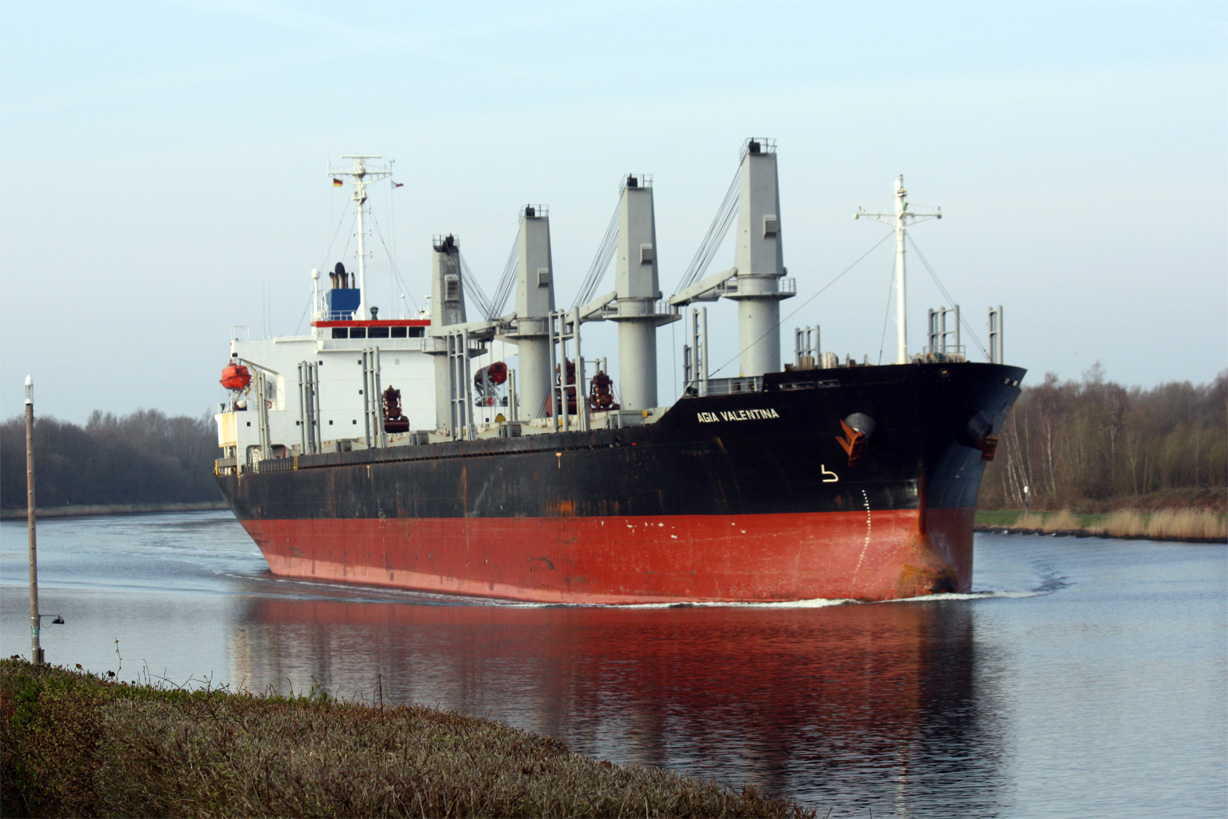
[947,296]
[713,238]
[601,261]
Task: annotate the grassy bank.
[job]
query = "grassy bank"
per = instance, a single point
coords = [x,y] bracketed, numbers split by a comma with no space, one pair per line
[84,510]
[72,744]
[1198,525]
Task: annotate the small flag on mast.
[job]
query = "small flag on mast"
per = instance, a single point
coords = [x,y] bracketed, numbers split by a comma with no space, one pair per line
[396,185]
[337,183]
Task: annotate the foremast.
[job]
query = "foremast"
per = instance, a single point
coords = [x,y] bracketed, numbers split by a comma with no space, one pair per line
[900,219]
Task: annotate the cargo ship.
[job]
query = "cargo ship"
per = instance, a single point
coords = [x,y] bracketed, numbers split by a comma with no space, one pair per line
[407,452]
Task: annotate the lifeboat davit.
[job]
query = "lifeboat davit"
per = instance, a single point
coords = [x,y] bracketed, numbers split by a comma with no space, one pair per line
[236,377]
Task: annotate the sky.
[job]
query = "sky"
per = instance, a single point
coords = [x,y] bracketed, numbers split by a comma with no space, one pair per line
[165,171]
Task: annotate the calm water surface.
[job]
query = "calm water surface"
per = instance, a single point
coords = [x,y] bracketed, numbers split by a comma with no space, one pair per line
[1082,678]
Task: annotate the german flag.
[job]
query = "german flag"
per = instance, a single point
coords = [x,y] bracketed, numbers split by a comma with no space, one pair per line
[337,183]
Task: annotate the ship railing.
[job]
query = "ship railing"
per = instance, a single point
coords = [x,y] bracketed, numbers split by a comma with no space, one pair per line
[788,284]
[266,465]
[725,386]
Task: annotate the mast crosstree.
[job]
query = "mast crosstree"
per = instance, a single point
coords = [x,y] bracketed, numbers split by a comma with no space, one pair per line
[900,219]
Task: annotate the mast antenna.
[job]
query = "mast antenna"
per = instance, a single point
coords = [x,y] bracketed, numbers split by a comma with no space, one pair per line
[900,219]
[362,175]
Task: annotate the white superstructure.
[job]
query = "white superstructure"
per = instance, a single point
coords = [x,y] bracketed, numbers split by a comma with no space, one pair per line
[326,391]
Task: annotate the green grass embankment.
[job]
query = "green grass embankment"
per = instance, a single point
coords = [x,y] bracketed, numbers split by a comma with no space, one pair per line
[74,744]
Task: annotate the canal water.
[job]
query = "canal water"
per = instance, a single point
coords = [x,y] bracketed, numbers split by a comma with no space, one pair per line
[1081,678]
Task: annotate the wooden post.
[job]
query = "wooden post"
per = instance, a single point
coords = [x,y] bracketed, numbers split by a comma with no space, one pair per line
[35,648]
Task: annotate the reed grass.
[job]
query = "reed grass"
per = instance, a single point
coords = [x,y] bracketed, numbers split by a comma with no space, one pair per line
[1164,524]
[1188,524]
[1062,521]
[72,744]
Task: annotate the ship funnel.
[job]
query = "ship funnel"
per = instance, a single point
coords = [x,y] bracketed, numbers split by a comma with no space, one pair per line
[447,307]
[534,304]
[636,285]
[759,261]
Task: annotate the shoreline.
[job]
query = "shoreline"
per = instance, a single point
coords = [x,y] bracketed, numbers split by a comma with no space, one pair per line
[1090,533]
[92,510]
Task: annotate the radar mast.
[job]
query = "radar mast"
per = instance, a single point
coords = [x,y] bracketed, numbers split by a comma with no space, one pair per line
[362,176]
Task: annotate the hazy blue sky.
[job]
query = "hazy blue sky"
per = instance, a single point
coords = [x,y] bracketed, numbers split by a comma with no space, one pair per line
[164,168]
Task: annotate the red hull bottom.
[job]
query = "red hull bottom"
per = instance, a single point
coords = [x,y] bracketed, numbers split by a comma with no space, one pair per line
[615,560]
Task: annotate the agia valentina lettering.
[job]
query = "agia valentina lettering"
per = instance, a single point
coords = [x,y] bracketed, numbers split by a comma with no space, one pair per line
[737,415]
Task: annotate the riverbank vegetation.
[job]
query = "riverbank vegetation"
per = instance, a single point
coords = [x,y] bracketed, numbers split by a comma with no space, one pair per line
[1196,525]
[74,744]
[144,458]
[1093,446]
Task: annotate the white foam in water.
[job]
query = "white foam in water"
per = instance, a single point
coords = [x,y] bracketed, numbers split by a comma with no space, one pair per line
[817,603]
[988,594]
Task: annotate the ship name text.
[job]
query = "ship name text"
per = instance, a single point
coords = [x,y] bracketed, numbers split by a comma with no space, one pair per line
[736,415]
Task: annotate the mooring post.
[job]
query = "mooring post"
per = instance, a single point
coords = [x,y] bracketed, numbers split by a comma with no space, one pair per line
[35,648]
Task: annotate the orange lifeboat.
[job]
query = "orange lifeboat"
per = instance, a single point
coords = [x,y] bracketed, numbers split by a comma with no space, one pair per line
[236,377]
[494,374]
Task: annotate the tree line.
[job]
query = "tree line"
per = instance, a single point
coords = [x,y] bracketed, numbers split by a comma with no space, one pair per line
[1094,445]
[143,457]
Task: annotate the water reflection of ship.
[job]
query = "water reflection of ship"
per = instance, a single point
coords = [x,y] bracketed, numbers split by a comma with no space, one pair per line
[851,705]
